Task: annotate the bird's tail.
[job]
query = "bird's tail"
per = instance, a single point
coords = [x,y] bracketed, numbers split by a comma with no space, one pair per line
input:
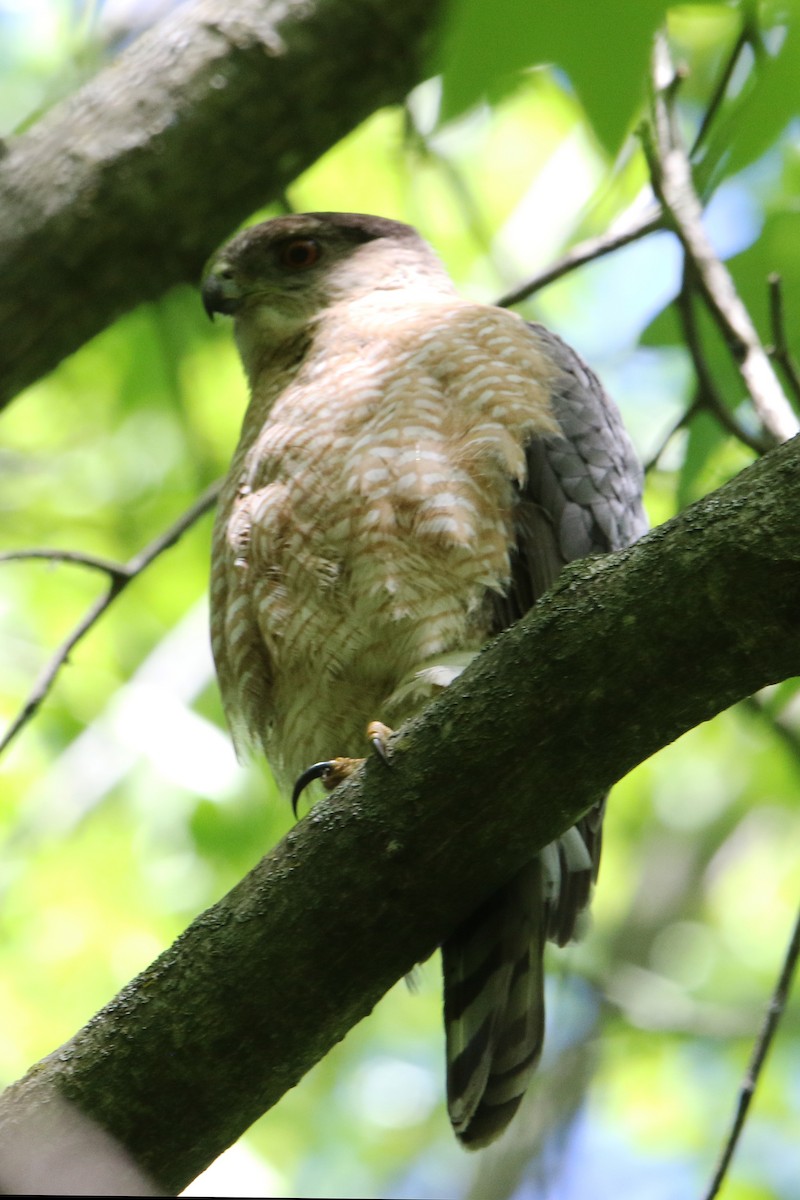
[494,1007]
[494,980]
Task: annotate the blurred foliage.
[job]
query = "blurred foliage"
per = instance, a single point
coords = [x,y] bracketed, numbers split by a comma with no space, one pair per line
[486,48]
[124,810]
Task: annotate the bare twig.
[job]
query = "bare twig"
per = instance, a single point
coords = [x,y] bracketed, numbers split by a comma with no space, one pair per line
[712,143]
[763,1042]
[116,570]
[170,536]
[709,397]
[718,95]
[597,247]
[780,345]
[121,575]
[672,182]
[683,420]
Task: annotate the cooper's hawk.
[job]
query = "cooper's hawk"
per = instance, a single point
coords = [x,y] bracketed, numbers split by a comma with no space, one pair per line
[414,470]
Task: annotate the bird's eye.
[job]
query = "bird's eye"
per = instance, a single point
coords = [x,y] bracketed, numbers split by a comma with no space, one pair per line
[299,254]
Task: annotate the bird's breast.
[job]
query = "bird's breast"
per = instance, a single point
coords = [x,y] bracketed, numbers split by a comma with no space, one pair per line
[371,514]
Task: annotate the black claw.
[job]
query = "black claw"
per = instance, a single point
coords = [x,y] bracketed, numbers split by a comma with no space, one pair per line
[317,771]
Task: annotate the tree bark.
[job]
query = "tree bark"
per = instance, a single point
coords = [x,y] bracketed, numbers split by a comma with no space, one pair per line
[626,653]
[124,189]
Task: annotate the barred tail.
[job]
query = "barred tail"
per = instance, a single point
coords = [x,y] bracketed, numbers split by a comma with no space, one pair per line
[494,1007]
[494,980]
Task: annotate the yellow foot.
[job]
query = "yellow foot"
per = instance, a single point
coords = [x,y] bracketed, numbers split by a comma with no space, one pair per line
[335,770]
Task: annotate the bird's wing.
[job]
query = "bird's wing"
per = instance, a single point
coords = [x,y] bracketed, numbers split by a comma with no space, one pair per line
[583,489]
[582,495]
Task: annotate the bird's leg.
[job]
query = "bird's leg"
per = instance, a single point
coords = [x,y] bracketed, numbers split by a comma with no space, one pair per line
[335,770]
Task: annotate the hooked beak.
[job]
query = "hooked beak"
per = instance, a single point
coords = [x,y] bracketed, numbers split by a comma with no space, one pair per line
[220,292]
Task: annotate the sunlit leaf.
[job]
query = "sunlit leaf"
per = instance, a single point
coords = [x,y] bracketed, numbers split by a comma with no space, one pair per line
[603,49]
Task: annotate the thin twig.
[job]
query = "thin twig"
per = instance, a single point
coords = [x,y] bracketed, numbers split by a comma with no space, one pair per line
[709,397]
[718,95]
[170,536]
[121,576]
[775,1010]
[683,420]
[712,144]
[780,345]
[593,248]
[672,181]
[108,566]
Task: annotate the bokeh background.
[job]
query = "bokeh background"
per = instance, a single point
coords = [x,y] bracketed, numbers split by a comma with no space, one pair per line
[124,812]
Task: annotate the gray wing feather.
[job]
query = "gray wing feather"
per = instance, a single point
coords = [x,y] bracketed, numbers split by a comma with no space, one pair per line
[583,492]
[591,473]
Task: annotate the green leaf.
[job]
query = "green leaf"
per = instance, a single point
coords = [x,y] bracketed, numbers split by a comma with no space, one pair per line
[773,103]
[485,48]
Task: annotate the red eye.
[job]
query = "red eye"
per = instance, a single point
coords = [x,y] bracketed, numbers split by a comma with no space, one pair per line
[299,254]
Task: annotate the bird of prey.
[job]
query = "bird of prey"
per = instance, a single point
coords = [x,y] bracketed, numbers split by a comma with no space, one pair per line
[413,472]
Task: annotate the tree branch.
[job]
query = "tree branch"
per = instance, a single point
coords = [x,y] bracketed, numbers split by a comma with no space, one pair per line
[629,228]
[121,574]
[671,175]
[709,397]
[596,678]
[124,189]
[775,1010]
[96,562]
[745,38]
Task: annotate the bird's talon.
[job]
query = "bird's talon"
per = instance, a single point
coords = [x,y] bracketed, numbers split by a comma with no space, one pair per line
[319,770]
[334,771]
[379,735]
[331,773]
[380,749]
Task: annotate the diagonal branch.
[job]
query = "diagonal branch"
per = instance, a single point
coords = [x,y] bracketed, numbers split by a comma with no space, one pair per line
[109,566]
[682,422]
[630,229]
[709,397]
[121,574]
[599,676]
[106,201]
[775,1010]
[747,37]
[671,175]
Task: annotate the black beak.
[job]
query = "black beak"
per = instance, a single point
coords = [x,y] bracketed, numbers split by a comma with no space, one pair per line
[220,295]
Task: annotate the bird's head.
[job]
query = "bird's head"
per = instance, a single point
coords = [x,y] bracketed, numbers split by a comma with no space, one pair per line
[275,279]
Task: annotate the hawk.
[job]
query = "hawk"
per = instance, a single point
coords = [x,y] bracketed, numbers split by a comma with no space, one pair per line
[413,472]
